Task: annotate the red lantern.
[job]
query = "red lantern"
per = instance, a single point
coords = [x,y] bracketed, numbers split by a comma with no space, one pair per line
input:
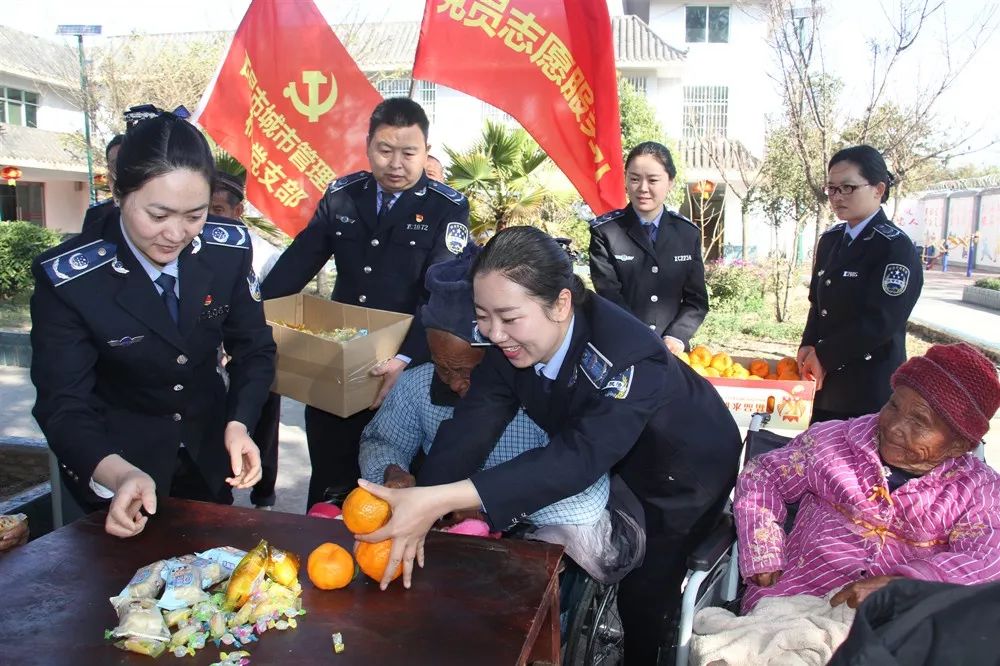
[10,174]
[100,179]
[705,188]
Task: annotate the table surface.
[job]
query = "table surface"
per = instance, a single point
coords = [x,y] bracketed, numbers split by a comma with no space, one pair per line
[477,601]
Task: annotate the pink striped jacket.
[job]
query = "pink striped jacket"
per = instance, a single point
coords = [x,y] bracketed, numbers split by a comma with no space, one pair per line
[943,526]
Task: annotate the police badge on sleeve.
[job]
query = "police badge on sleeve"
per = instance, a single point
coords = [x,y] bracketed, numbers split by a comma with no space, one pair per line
[620,384]
[254,285]
[456,237]
[895,279]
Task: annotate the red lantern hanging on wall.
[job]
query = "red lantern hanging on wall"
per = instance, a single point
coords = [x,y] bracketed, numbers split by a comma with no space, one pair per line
[704,188]
[100,180]
[10,174]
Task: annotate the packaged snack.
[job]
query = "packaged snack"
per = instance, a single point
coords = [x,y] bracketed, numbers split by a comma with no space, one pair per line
[142,646]
[182,635]
[226,556]
[140,618]
[247,576]
[175,617]
[9,522]
[282,566]
[183,588]
[211,572]
[146,583]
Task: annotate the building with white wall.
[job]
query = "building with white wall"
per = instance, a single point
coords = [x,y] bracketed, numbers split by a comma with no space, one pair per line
[38,120]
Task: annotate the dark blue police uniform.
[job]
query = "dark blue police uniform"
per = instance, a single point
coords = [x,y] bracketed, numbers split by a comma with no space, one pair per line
[661,282]
[114,373]
[620,402]
[381,260]
[98,212]
[860,296]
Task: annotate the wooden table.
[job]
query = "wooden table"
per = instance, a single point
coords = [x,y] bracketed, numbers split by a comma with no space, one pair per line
[478,601]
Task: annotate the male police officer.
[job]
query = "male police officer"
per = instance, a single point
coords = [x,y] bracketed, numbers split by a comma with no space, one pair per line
[384,229]
[98,210]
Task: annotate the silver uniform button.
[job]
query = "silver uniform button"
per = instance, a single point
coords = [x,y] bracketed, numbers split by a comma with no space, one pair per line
[182,360]
[822,313]
[367,269]
[362,298]
[374,242]
[413,242]
[652,327]
[178,387]
[656,269]
[868,357]
[827,283]
[338,234]
[820,273]
[177,417]
[654,298]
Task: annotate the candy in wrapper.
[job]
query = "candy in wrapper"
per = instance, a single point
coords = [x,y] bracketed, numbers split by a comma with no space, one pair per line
[175,617]
[182,635]
[217,625]
[183,588]
[282,566]
[140,618]
[338,643]
[247,576]
[9,522]
[146,583]
[142,646]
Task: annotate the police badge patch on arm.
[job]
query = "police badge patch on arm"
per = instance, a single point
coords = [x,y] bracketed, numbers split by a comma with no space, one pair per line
[456,237]
[895,279]
[620,384]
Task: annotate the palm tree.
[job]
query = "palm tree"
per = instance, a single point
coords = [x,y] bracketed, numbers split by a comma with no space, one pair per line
[226,163]
[501,176]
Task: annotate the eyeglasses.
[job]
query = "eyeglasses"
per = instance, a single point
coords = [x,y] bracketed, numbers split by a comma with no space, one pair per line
[846,189]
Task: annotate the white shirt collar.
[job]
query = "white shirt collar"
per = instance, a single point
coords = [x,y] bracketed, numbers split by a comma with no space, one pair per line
[856,231]
[151,270]
[551,369]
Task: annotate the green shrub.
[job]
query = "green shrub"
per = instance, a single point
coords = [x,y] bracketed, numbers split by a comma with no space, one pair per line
[20,243]
[988,283]
[735,287]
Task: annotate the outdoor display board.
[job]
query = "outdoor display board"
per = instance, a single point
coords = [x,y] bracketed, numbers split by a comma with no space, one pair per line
[988,246]
[961,210]
[933,216]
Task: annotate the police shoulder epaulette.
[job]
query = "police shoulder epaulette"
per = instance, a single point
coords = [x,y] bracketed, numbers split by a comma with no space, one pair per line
[344,181]
[230,235]
[607,217]
[887,230]
[448,193]
[595,366]
[81,260]
[680,217]
[837,227]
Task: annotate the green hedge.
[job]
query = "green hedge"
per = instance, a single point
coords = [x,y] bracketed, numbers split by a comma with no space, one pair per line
[988,283]
[735,286]
[20,243]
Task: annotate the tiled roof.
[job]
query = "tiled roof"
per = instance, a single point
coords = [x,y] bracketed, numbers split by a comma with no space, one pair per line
[38,58]
[42,149]
[636,43]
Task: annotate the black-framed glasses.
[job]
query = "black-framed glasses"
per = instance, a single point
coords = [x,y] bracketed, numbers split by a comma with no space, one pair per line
[845,189]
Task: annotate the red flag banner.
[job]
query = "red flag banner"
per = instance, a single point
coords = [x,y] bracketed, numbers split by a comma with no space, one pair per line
[548,63]
[292,106]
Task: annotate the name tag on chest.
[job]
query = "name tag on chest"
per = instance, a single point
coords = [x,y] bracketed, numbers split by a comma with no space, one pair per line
[682,257]
[417,227]
[850,274]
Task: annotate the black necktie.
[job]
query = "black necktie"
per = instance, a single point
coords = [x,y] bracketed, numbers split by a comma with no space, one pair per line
[385,202]
[650,231]
[167,283]
[845,242]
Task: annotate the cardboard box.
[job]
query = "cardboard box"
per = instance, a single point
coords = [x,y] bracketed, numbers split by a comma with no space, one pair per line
[332,376]
[792,400]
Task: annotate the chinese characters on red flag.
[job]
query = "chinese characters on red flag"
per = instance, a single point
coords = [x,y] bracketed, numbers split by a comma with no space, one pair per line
[548,63]
[292,106]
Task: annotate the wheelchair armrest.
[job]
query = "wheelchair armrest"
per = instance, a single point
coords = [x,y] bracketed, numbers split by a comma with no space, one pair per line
[714,546]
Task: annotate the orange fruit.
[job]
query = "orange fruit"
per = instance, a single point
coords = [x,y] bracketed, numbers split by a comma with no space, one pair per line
[700,369]
[683,356]
[721,361]
[789,375]
[373,558]
[701,355]
[787,364]
[757,377]
[738,371]
[364,513]
[331,567]
[712,372]
[772,375]
[760,367]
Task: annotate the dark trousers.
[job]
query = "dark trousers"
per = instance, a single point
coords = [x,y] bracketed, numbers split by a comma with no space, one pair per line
[333,443]
[266,438]
[821,415]
[649,597]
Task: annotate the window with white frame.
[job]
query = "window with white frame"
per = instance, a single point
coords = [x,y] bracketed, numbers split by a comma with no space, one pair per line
[707,23]
[400,87]
[706,111]
[18,107]
[497,115]
[637,82]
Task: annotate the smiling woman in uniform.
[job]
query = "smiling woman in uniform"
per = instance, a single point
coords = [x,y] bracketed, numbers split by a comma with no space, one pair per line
[866,279]
[127,319]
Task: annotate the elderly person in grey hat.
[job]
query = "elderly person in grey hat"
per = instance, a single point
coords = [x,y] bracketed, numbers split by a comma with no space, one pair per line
[425,396]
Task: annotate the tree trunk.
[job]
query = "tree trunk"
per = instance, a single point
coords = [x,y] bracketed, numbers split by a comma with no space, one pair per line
[746,229]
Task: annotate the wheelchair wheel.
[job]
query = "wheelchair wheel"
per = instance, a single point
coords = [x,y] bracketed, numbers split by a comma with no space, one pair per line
[595,636]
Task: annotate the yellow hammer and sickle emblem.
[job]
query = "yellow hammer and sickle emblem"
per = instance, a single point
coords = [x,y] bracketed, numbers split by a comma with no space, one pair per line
[314,108]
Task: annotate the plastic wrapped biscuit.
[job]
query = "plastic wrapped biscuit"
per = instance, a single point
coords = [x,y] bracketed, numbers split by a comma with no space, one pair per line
[183,588]
[146,583]
[226,556]
[140,618]
[211,572]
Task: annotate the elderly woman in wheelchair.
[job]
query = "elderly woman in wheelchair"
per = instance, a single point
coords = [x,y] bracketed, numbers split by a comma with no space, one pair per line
[897,494]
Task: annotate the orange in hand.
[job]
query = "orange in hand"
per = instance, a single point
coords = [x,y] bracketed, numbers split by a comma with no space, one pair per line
[364,513]
[373,558]
[331,567]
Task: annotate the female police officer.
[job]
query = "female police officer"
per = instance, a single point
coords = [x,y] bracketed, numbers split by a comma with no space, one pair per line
[866,279]
[610,397]
[646,258]
[127,319]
